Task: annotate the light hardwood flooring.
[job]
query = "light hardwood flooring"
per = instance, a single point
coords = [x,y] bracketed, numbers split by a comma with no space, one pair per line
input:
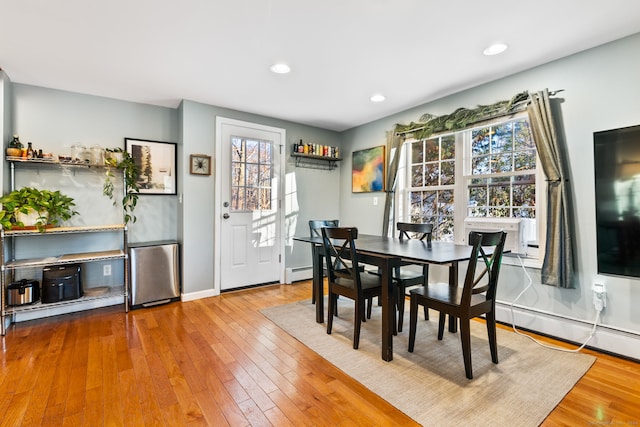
[218,361]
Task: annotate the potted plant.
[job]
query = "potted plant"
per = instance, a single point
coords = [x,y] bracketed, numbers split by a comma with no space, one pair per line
[117,158]
[29,206]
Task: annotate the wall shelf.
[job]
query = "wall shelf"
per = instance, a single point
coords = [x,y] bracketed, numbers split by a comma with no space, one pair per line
[315,162]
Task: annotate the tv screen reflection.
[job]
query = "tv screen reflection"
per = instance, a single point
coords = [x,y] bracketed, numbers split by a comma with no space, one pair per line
[617,196]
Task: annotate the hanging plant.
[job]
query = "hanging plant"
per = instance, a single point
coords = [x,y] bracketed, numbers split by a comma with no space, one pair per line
[118,159]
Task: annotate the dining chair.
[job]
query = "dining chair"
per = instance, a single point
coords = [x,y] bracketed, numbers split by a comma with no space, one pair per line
[345,276]
[476,297]
[405,278]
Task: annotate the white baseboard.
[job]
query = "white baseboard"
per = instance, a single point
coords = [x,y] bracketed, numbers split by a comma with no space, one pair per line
[70,307]
[605,339]
[296,274]
[198,295]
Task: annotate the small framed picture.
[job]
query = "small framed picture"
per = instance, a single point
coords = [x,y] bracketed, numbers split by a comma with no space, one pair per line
[200,164]
[157,163]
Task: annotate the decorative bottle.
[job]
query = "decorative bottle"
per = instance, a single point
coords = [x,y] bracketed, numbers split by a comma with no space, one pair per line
[30,153]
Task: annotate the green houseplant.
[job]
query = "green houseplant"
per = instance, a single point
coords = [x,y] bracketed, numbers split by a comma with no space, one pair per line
[46,207]
[117,158]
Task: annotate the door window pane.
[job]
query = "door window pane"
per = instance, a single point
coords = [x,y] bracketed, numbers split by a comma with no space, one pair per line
[251,172]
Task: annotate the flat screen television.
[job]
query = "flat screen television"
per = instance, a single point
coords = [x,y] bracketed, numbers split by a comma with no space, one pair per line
[617,195]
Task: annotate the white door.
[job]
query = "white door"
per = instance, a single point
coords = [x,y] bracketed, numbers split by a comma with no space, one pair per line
[248,204]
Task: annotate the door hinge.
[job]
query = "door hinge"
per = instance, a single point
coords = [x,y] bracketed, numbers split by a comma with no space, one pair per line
[280,258]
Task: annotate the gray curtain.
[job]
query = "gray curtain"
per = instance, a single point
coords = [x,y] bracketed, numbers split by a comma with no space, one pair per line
[558,267]
[394,145]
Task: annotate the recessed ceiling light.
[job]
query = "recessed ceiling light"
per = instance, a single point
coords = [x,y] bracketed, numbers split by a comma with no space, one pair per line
[377,98]
[280,68]
[495,49]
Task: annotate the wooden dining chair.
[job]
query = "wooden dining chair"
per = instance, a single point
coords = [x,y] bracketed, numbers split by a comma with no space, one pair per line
[404,278]
[476,297]
[345,276]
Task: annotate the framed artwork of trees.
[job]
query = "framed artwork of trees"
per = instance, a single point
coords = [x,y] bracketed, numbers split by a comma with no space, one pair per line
[157,163]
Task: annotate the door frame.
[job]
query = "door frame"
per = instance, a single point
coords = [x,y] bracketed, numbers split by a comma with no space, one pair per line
[217,224]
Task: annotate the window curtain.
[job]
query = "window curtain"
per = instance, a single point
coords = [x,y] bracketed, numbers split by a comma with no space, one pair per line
[558,267]
[394,146]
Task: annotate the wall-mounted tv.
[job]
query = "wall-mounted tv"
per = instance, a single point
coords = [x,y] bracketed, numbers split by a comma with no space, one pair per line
[617,184]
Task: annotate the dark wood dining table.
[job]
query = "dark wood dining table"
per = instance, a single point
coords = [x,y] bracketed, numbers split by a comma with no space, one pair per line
[387,253]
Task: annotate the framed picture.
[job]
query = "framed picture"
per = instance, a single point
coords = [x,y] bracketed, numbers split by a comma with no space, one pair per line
[157,163]
[368,172]
[200,164]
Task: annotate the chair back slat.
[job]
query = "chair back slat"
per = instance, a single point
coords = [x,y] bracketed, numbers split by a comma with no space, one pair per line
[340,250]
[490,264]
[420,231]
[315,225]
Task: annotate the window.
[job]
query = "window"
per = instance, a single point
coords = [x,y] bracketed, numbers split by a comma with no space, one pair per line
[251,171]
[503,166]
[433,178]
[484,172]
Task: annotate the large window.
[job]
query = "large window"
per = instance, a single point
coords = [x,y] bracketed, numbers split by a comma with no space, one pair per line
[503,166]
[483,172]
[433,178]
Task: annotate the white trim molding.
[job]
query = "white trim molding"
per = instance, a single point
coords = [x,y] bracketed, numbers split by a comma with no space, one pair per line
[605,338]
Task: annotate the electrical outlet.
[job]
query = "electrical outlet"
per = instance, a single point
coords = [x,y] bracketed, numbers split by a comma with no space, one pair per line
[599,296]
[375,201]
[106,270]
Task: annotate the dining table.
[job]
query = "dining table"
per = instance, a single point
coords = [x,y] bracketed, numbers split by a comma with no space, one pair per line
[387,253]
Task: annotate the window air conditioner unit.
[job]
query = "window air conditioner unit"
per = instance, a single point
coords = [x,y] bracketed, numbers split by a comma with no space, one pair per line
[516,241]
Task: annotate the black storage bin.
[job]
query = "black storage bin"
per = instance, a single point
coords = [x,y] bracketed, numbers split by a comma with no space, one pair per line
[61,283]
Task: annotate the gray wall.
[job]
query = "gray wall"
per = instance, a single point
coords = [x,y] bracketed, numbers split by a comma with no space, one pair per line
[5,117]
[54,120]
[309,193]
[601,89]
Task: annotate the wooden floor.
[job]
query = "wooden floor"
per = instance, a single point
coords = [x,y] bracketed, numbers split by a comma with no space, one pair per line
[218,361]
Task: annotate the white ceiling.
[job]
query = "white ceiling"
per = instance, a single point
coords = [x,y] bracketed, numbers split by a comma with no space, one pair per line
[341,52]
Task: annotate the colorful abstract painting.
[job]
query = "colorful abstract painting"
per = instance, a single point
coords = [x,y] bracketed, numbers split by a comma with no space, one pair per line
[368,172]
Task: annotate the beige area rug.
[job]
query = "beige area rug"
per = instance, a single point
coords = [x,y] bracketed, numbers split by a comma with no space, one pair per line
[429,385]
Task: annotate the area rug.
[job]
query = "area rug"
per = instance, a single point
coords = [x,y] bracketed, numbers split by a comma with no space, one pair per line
[429,384]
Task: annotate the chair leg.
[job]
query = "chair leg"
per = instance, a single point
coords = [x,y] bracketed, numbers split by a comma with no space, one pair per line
[413,321]
[491,332]
[465,338]
[330,314]
[358,318]
[400,296]
[369,307]
[442,319]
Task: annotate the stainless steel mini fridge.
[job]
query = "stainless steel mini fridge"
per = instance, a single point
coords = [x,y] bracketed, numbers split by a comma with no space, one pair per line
[154,272]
